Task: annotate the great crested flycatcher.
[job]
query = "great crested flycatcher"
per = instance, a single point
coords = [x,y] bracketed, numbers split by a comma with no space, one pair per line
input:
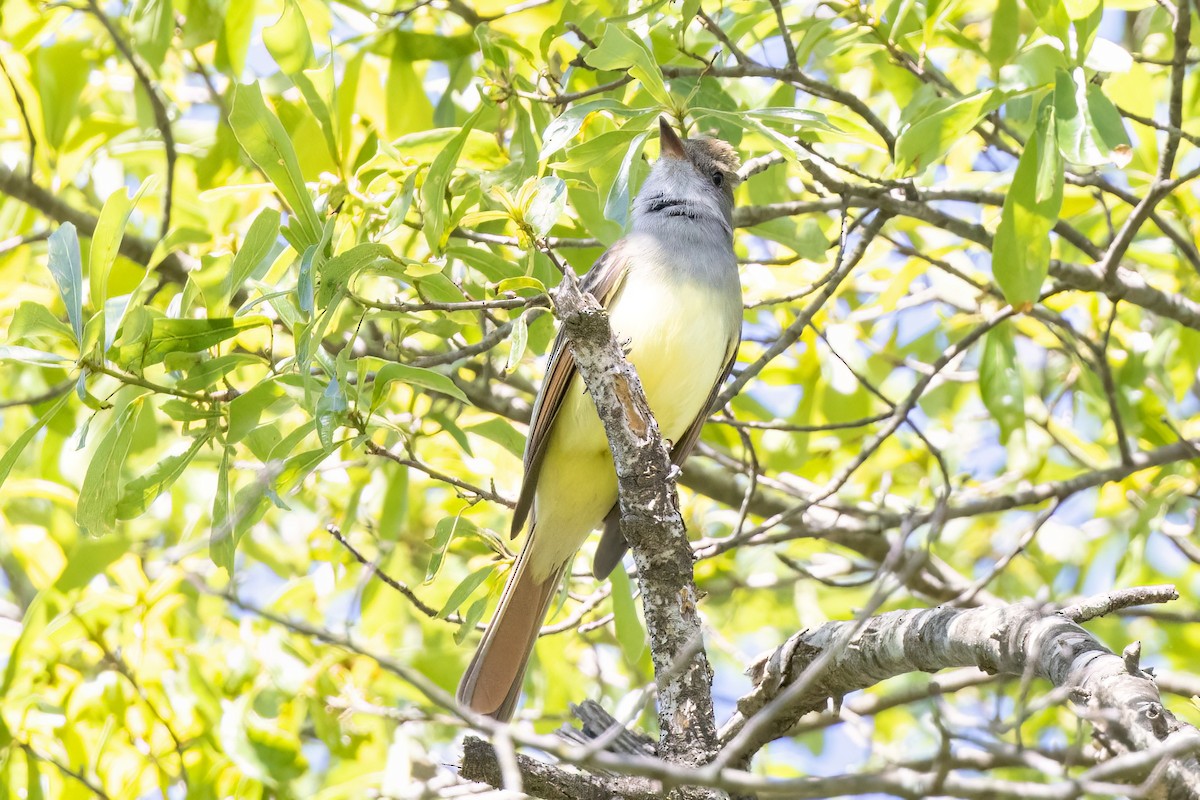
[671,290]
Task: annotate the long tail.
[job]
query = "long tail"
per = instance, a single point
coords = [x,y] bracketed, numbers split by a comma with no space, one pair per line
[492,683]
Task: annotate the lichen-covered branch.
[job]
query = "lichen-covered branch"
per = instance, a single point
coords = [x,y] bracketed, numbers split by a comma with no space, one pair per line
[1122,704]
[652,525]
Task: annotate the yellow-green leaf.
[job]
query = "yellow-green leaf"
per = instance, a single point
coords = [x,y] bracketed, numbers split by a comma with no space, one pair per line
[266,141]
[96,513]
[619,49]
[1021,254]
[436,181]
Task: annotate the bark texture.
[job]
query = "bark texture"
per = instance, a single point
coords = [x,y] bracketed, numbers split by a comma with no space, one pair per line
[652,526]
[1121,701]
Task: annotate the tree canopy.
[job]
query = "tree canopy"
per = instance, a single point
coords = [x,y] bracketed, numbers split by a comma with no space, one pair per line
[278,280]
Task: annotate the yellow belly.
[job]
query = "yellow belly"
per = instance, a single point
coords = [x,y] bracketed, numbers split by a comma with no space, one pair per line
[678,348]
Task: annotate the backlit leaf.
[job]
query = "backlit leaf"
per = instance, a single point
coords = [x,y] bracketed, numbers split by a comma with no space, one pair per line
[1021,256]
[266,142]
[631,634]
[621,50]
[67,268]
[1000,384]
[96,513]
[436,181]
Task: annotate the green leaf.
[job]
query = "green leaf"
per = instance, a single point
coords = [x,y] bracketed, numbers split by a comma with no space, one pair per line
[928,139]
[305,295]
[1005,31]
[1021,253]
[106,241]
[221,541]
[264,139]
[786,144]
[28,355]
[337,271]
[465,589]
[408,45]
[61,74]
[443,533]
[184,336]
[288,41]
[298,467]
[802,235]
[621,50]
[433,193]
[153,27]
[518,341]
[616,206]
[246,410]
[631,635]
[9,459]
[96,512]
[1085,29]
[809,120]
[566,126]
[67,268]
[88,558]
[1052,18]
[1000,384]
[502,433]
[315,85]
[206,373]
[1081,9]
[140,492]
[257,246]
[34,320]
[413,376]
[409,109]
[329,411]
[470,620]
[1089,128]
[519,284]
[1109,126]
[187,411]
[33,773]
[547,205]
[238,25]
[259,748]
[490,265]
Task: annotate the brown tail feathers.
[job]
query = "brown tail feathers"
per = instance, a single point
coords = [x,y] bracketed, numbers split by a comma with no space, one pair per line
[492,683]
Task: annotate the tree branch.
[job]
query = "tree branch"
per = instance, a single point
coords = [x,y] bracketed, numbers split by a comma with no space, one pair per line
[652,525]
[174,266]
[1124,708]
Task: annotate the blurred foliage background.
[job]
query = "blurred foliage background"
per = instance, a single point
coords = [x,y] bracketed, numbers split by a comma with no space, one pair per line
[274,320]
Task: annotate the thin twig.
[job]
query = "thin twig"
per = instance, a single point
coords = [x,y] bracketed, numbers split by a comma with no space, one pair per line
[158,106]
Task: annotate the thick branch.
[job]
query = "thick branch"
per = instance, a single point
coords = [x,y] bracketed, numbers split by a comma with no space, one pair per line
[174,266]
[482,763]
[652,525]
[1123,705]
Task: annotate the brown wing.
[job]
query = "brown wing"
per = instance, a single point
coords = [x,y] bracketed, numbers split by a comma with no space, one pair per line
[612,546]
[602,281]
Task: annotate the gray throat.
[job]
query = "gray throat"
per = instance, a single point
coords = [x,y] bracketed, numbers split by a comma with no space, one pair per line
[690,239]
[688,228]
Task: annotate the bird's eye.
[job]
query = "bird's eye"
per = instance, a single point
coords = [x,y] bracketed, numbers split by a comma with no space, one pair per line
[718,178]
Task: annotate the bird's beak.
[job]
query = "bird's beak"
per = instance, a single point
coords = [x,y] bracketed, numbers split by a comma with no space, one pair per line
[671,146]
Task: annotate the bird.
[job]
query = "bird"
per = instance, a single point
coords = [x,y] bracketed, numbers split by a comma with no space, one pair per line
[673,295]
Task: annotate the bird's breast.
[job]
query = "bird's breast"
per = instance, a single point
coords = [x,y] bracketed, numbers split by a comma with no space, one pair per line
[679,337]
[677,332]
